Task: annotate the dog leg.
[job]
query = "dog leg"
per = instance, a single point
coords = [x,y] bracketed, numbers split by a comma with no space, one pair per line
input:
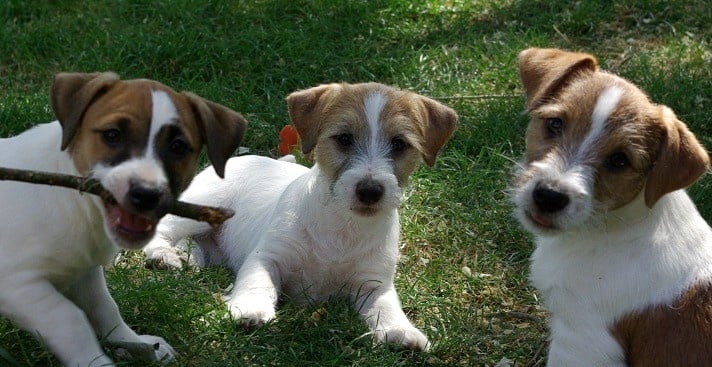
[39,308]
[254,294]
[167,249]
[91,294]
[380,308]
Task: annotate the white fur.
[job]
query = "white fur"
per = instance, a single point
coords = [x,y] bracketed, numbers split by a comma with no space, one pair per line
[605,105]
[575,180]
[591,276]
[296,234]
[373,105]
[54,245]
[117,179]
[163,113]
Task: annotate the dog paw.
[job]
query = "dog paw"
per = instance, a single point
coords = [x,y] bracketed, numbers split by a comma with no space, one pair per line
[163,351]
[148,349]
[409,337]
[252,310]
[165,258]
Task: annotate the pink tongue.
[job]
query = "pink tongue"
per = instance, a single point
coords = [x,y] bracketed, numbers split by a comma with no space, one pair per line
[542,221]
[127,221]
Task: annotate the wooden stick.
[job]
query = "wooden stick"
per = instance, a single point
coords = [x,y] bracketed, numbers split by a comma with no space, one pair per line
[214,216]
[481,96]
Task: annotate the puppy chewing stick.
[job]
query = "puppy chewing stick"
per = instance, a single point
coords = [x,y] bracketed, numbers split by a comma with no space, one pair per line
[212,215]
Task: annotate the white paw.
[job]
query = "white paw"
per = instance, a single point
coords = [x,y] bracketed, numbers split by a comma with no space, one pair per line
[147,349]
[165,258]
[251,309]
[163,351]
[406,336]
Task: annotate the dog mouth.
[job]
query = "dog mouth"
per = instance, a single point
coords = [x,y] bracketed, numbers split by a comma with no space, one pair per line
[365,211]
[541,221]
[132,228]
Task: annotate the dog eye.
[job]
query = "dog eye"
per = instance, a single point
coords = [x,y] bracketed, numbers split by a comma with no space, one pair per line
[111,137]
[398,145]
[344,140]
[179,147]
[617,161]
[554,127]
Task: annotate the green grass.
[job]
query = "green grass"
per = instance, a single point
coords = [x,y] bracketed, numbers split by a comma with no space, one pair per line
[463,274]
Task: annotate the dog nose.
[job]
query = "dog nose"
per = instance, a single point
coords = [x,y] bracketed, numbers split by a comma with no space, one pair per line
[144,198]
[548,200]
[369,191]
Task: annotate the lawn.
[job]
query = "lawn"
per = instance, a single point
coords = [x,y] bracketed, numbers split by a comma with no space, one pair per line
[463,273]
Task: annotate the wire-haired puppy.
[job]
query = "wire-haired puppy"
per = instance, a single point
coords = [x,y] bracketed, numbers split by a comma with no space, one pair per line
[623,258]
[330,230]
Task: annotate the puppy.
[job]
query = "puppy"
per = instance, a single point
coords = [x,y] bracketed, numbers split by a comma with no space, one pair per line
[141,140]
[311,234]
[623,258]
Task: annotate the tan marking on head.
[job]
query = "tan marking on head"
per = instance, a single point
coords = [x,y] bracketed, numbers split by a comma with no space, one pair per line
[669,335]
[324,111]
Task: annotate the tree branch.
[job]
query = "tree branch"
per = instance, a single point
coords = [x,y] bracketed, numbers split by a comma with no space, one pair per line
[214,216]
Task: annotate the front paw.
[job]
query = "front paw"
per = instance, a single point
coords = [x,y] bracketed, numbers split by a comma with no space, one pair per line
[147,349]
[165,258]
[251,310]
[406,336]
[162,351]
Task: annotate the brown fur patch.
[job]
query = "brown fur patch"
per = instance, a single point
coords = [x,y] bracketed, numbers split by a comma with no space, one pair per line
[675,335]
[124,106]
[546,71]
[680,153]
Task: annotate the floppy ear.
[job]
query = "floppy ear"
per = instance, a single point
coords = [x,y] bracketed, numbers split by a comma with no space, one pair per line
[221,128]
[439,123]
[546,70]
[680,162]
[72,93]
[304,113]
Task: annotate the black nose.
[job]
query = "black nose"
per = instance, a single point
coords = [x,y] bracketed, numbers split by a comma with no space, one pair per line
[369,191]
[548,200]
[144,198]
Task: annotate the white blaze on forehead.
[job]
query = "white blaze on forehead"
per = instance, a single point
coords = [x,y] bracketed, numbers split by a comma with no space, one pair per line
[605,105]
[164,113]
[373,104]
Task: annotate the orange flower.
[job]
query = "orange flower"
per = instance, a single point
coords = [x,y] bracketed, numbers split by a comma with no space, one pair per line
[288,139]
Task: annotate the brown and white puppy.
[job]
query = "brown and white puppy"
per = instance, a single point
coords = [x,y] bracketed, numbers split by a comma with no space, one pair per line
[141,139]
[623,258]
[311,234]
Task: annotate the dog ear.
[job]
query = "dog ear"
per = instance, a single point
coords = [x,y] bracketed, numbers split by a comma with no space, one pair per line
[439,122]
[304,113]
[545,70]
[221,128]
[72,93]
[680,162]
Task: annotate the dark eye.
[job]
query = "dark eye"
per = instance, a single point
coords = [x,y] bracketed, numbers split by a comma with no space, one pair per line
[111,137]
[398,144]
[554,127]
[617,161]
[344,140]
[179,147]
